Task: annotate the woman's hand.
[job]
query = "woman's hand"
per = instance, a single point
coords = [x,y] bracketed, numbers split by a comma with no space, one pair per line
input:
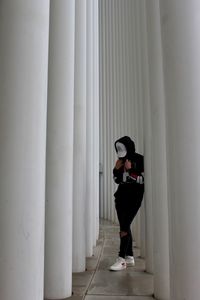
[127,165]
[119,164]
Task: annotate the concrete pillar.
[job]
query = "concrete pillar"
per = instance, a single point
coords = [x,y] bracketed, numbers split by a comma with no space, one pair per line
[23,94]
[180,23]
[142,90]
[79,168]
[136,229]
[96,114]
[107,113]
[137,100]
[89,135]
[142,41]
[159,164]
[143,230]
[101,136]
[92,176]
[58,244]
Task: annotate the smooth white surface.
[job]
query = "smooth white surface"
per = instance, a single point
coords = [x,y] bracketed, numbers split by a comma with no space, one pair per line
[92,125]
[159,164]
[90,219]
[135,89]
[142,41]
[59,175]
[180,23]
[143,230]
[139,87]
[79,166]
[96,114]
[24,27]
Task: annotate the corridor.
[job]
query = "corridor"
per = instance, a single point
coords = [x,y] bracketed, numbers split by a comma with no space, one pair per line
[75,76]
[98,283]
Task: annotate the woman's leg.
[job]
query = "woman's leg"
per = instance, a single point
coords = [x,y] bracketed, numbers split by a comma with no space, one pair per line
[132,212]
[129,251]
[126,214]
[124,229]
[126,244]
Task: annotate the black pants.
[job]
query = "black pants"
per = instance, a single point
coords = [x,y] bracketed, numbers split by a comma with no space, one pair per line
[126,212]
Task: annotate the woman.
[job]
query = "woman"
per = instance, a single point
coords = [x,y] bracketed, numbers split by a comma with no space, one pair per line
[129,174]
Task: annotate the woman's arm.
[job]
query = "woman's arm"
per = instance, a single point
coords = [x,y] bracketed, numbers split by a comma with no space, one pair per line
[118,171]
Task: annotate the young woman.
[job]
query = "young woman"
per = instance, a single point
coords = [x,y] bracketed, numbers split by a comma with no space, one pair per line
[129,175]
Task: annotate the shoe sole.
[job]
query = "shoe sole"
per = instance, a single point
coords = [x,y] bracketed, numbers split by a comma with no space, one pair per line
[130,264]
[117,270]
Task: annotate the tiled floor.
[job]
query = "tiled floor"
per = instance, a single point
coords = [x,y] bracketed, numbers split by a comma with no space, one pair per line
[98,283]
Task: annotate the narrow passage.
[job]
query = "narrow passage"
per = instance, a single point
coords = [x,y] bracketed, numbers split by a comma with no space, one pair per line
[98,283]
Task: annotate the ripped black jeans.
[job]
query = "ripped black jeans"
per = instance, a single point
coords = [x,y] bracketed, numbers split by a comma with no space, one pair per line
[126,212]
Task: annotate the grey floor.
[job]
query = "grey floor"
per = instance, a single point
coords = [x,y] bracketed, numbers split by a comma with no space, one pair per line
[98,283]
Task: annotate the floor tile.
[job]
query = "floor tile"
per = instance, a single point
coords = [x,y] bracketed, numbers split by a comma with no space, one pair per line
[102,284]
[91,263]
[76,298]
[79,290]
[80,282]
[93,297]
[71,298]
[82,278]
[114,241]
[97,250]
[126,282]
[100,242]
[113,250]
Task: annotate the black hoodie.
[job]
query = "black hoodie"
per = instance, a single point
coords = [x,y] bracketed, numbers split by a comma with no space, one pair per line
[129,187]
[129,144]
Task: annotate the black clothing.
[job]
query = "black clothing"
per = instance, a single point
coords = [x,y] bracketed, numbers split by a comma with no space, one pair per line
[129,194]
[126,213]
[129,144]
[129,187]
[126,245]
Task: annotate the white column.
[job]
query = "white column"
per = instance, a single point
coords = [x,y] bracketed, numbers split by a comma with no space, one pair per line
[136,92]
[180,23]
[107,113]
[143,230]
[96,114]
[89,135]
[23,104]
[79,212]
[136,229]
[159,164]
[58,246]
[142,40]
[142,90]
[101,92]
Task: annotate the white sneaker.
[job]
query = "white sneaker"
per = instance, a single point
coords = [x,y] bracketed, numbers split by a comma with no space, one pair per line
[119,265]
[130,261]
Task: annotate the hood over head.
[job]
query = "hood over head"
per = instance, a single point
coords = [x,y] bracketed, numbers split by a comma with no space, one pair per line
[125,147]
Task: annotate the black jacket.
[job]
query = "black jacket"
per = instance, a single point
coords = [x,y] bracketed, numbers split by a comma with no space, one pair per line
[128,185]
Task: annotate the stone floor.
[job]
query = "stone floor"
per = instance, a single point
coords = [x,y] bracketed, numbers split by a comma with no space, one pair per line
[98,283]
